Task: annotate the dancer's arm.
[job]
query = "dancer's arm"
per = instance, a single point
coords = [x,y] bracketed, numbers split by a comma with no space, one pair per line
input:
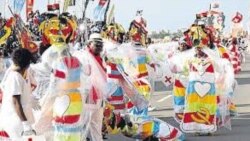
[18,107]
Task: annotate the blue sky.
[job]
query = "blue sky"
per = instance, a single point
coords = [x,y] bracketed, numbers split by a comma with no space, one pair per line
[174,14]
[167,14]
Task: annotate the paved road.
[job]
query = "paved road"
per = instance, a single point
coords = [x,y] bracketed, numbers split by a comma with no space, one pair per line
[240,124]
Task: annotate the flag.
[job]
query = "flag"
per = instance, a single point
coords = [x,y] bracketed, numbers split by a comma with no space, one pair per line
[67,3]
[29,7]
[18,6]
[237,17]
[72,3]
[53,7]
[56,6]
[27,42]
[99,11]
[111,14]
[50,5]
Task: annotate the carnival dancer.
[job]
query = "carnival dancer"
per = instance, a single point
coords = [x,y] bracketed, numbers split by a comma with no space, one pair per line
[68,106]
[63,70]
[235,55]
[114,34]
[181,79]
[95,84]
[117,94]
[16,111]
[214,33]
[137,29]
[122,86]
[117,98]
[206,105]
[44,75]
[144,128]
[135,66]
[236,31]
[201,97]
[203,104]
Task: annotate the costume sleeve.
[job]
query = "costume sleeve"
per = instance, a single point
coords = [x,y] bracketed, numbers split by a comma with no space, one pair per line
[32,77]
[14,84]
[48,58]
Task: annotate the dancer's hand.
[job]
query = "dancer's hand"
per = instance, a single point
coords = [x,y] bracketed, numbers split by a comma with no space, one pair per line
[35,104]
[27,129]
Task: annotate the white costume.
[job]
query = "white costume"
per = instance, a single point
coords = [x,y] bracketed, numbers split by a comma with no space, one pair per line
[14,84]
[94,85]
[93,112]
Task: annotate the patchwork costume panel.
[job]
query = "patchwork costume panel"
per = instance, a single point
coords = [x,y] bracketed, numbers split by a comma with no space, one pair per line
[201,99]
[68,106]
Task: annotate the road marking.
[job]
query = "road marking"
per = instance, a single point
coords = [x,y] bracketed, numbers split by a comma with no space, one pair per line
[243,114]
[161,93]
[164,98]
[242,118]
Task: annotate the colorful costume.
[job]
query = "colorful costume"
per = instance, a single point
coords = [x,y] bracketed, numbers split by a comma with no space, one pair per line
[199,37]
[201,99]
[50,28]
[214,18]
[138,127]
[235,57]
[15,84]
[95,90]
[117,98]
[135,66]
[114,32]
[179,91]
[137,30]
[236,31]
[68,105]
[62,102]
[237,27]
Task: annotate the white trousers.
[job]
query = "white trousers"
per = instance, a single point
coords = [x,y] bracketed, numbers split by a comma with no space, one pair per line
[92,121]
